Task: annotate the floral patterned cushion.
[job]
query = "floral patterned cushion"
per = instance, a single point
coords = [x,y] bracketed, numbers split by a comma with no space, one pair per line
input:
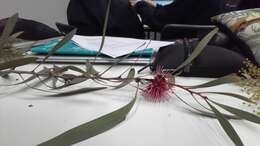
[246,25]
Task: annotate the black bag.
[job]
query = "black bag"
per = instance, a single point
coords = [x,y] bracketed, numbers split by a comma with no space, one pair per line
[214,61]
[88,17]
[32,30]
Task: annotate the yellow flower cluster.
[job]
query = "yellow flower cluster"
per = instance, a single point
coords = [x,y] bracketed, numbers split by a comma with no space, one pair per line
[250,82]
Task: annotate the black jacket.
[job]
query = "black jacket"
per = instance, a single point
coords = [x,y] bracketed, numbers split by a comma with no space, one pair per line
[179,12]
[89,15]
[247,4]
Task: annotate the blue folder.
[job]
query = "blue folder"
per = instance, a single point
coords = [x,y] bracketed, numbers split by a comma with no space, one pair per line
[70,48]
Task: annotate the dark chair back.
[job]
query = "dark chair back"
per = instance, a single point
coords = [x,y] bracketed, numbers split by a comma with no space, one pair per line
[180,31]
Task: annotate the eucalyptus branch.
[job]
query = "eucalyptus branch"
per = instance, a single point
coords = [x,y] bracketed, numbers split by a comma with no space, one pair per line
[36,88]
[204,113]
[61,76]
[43,81]
[191,91]
[192,95]
[156,89]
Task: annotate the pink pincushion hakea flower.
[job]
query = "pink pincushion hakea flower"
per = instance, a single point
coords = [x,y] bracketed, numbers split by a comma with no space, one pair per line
[159,87]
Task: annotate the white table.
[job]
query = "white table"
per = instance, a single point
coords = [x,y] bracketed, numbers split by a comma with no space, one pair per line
[29,117]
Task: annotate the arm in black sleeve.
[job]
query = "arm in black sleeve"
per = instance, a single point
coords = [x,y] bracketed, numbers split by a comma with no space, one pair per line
[147,13]
[157,17]
[178,12]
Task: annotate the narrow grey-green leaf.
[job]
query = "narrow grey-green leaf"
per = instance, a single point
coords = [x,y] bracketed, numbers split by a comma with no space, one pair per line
[73,81]
[212,115]
[104,27]
[78,91]
[74,68]
[92,128]
[32,77]
[242,114]
[129,79]
[54,82]
[9,26]
[17,62]
[90,69]
[202,112]
[227,126]
[23,48]
[223,80]
[233,95]
[59,70]
[198,49]
[14,36]
[78,80]
[61,43]
[66,38]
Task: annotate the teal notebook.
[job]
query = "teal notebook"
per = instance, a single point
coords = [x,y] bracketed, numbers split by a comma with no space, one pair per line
[71,48]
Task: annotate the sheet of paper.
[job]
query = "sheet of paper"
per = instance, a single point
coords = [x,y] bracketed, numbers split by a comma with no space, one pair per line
[117,46]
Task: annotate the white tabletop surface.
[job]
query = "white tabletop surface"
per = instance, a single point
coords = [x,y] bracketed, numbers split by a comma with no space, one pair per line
[29,117]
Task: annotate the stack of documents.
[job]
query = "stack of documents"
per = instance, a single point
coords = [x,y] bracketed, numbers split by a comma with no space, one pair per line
[114,47]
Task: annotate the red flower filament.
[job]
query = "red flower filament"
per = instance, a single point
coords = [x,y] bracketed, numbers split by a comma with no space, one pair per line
[158,89]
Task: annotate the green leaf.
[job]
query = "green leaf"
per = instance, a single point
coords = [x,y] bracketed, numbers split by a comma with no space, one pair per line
[242,114]
[105,27]
[78,80]
[74,68]
[54,82]
[223,80]
[227,126]
[212,115]
[73,81]
[23,48]
[199,48]
[202,112]
[129,79]
[233,95]
[78,91]
[67,38]
[32,77]
[17,62]
[92,128]
[58,70]
[14,36]
[90,70]
[60,44]
[9,26]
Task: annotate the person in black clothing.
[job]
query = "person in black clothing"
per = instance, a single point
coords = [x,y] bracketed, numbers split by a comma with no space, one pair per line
[177,12]
[88,17]
[214,61]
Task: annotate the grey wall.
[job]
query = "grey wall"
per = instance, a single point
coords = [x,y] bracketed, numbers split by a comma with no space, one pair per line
[45,11]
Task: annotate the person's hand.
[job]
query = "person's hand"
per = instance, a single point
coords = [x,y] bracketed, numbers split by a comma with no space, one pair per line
[133,2]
